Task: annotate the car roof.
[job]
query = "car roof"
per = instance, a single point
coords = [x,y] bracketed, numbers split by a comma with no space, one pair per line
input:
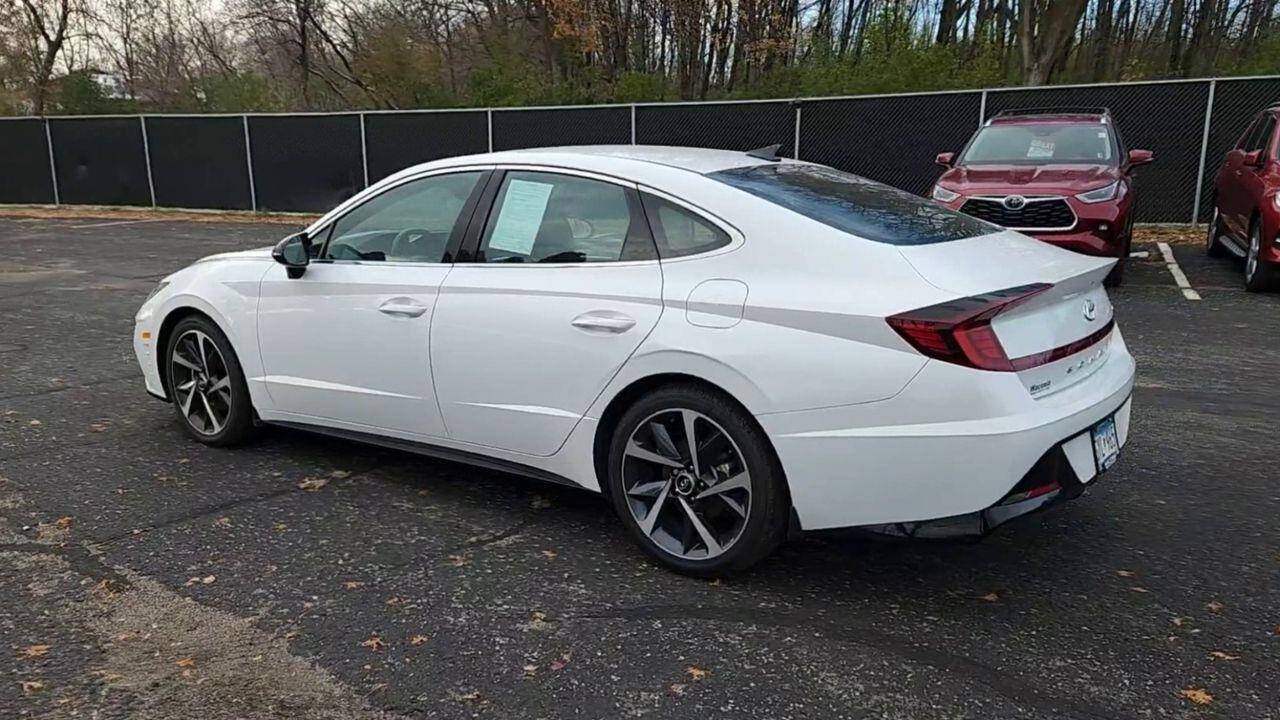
[1063,118]
[620,157]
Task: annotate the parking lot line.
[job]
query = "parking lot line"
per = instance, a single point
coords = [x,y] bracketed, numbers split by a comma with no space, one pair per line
[1179,277]
[116,222]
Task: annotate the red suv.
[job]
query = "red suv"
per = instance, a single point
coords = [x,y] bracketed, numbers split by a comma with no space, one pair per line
[1246,203]
[1061,175]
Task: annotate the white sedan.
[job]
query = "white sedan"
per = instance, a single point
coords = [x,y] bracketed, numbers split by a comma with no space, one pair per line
[729,346]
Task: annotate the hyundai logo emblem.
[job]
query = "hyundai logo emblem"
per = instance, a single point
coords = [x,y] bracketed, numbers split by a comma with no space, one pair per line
[1015,202]
[1090,310]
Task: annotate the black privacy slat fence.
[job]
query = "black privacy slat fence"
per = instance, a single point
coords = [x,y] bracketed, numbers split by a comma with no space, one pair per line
[309,162]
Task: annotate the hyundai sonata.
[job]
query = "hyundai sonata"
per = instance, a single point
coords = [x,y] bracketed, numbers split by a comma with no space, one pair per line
[730,347]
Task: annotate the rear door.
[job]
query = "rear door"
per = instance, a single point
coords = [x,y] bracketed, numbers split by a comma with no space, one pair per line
[563,286]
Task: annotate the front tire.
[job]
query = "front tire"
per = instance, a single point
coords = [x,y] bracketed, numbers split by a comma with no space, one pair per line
[1259,275]
[712,507]
[206,383]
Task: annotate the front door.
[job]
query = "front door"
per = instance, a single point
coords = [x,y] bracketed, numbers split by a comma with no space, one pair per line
[349,340]
[564,287]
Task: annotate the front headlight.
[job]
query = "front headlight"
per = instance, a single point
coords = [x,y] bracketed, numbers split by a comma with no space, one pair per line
[155,290]
[1102,194]
[942,194]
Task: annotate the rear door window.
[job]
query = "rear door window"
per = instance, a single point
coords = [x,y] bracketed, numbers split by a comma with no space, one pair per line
[855,204]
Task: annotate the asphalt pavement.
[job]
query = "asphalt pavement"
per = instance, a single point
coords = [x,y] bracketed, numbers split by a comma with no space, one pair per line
[143,575]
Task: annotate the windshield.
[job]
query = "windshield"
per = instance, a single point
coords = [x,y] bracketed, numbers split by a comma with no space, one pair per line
[854,204]
[1041,144]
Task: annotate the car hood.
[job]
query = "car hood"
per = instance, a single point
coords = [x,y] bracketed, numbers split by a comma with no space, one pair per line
[262,253]
[1028,179]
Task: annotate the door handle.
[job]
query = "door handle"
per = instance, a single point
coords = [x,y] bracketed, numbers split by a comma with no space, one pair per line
[403,307]
[604,321]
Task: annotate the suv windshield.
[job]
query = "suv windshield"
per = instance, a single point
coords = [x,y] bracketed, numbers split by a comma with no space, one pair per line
[1041,144]
[854,204]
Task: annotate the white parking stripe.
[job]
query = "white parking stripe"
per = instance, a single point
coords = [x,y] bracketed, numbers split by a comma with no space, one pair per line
[1178,276]
[117,222]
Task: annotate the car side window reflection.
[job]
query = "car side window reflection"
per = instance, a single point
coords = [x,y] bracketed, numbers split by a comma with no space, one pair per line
[408,223]
[541,217]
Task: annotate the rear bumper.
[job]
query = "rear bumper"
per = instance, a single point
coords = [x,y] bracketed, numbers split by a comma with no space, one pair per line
[953,443]
[1063,473]
[1108,244]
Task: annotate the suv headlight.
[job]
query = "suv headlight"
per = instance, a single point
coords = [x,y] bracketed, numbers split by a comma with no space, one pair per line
[155,290]
[1102,194]
[942,194]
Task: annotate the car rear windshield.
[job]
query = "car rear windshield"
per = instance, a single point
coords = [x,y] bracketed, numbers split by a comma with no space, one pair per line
[1040,144]
[854,204]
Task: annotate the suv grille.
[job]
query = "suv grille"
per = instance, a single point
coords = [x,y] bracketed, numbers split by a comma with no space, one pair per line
[1035,214]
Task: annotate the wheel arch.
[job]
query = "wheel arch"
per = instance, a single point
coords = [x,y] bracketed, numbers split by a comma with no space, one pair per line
[171,319]
[638,388]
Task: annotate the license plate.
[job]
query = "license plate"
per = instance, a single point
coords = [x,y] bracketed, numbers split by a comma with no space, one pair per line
[1106,444]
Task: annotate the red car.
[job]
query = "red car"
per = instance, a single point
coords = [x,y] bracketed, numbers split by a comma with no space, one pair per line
[1061,175]
[1246,203]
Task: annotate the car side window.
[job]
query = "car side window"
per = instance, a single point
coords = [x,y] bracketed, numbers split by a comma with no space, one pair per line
[542,217]
[1266,129]
[1247,137]
[408,223]
[679,232]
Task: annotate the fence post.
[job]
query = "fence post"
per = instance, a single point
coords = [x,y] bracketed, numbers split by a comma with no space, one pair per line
[146,152]
[53,168]
[364,152]
[796,141]
[1204,151]
[982,109]
[633,123]
[489,114]
[248,162]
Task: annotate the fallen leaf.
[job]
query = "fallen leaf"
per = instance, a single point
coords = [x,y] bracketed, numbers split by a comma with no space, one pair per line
[1276,630]
[394,601]
[313,484]
[1125,573]
[186,662]
[530,670]
[458,560]
[100,426]
[1197,695]
[1139,589]
[472,696]
[549,554]
[352,584]
[224,522]
[559,663]
[695,673]
[374,643]
[34,423]
[1215,606]
[417,640]
[990,597]
[1219,655]
[33,651]
[339,474]
[675,689]
[30,686]
[1177,621]
[63,522]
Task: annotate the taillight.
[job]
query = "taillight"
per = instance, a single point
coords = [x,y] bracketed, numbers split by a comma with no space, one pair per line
[959,331]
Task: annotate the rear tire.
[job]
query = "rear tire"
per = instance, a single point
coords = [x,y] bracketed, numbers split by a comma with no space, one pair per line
[1213,246]
[206,383]
[1259,275]
[670,502]
[1116,277]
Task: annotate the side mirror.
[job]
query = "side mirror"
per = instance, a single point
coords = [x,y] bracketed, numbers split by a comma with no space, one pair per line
[946,160]
[1252,159]
[1140,157]
[293,252]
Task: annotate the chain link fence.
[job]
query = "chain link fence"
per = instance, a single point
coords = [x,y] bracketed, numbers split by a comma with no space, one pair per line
[311,161]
